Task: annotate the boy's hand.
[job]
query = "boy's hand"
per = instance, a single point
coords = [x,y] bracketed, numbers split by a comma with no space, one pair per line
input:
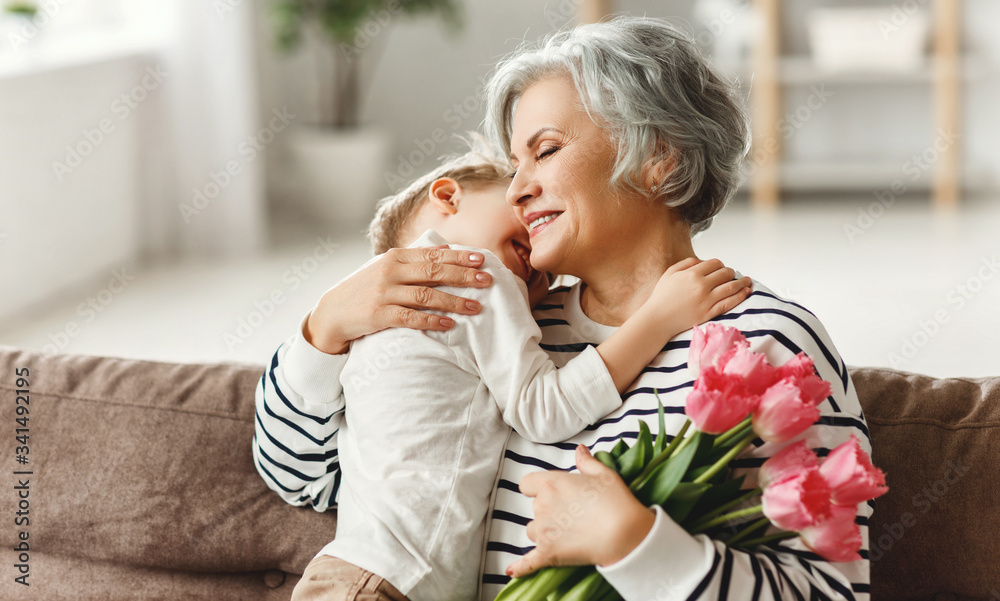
[692,292]
[391,292]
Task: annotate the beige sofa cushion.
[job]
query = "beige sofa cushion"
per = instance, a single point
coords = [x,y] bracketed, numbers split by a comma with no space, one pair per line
[144,485]
[937,531]
[149,464]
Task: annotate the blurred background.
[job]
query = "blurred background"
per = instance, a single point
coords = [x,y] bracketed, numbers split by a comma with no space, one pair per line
[180,180]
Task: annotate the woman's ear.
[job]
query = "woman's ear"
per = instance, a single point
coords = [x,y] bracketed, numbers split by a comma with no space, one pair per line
[658,170]
[444,195]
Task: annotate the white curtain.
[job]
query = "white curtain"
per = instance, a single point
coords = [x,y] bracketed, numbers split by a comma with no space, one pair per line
[202,186]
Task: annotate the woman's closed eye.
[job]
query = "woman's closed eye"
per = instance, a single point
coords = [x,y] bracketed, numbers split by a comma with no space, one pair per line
[547,152]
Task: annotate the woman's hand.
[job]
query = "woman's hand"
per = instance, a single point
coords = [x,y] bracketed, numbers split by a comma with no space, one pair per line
[590,518]
[391,291]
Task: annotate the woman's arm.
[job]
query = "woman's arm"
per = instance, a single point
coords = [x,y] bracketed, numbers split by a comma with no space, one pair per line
[299,401]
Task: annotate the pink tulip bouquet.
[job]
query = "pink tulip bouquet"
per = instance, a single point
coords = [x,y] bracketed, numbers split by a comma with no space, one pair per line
[738,396]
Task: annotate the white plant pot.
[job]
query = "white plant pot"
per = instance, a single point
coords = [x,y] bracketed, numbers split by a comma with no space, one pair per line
[338,176]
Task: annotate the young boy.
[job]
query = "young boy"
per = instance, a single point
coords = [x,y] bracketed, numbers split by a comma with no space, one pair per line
[428,413]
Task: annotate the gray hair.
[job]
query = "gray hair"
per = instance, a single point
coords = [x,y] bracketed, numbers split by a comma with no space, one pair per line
[647,83]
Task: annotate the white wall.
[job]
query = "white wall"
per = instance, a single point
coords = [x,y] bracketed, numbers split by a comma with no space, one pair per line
[422,73]
[58,230]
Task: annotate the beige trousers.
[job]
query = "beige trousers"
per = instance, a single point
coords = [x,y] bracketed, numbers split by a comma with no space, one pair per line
[332,579]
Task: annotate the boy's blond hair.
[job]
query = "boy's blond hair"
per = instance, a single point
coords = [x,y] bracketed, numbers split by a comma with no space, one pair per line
[480,165]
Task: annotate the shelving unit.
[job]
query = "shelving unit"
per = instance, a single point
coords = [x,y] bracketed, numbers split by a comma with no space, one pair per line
[773,71]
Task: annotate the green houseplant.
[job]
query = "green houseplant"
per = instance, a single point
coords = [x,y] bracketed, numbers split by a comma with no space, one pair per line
[336,165]
[348,27]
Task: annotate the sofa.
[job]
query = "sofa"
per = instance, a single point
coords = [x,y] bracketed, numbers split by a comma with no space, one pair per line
[142,486]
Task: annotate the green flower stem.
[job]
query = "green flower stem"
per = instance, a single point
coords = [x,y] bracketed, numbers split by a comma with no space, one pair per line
[735,515]
[723,461]
[726,507]
[733,432]
[766,539]
[675,445]
[743,533]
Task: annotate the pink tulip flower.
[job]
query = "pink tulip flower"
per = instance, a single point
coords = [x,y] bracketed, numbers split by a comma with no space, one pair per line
[800,368]
[836,538]
[753,368]
[799,501]
[713,346]
[784,412]
[719,401]
[786,463]
[852,477]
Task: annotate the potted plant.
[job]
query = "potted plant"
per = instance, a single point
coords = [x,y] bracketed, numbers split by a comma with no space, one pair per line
[16,26]
[338,163]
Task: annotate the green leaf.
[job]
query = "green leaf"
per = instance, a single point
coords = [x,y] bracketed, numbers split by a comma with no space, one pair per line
[661,436]
[701,457]
[723,492]
[684,498]
[606,458]
[620,448]
[663,480]
[633,460]
[515,589]
[549,580]
[587,589]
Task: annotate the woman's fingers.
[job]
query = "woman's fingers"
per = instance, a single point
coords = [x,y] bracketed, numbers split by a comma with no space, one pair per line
[425,298]
[395,316]
[438,266]
[528,564]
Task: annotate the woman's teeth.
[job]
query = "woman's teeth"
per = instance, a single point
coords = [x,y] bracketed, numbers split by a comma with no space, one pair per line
[541,220]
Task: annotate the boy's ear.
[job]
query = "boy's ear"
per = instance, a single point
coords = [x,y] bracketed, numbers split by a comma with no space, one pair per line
[444,195]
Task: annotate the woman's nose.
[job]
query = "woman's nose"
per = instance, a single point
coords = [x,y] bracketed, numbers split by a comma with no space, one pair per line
[522,189]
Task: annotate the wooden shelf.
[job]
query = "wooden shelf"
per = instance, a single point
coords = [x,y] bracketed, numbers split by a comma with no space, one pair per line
[943,71]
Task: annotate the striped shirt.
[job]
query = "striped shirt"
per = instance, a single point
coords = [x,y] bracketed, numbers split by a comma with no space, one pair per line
[295,451]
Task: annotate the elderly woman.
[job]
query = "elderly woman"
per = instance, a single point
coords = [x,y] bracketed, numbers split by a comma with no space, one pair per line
[624,142]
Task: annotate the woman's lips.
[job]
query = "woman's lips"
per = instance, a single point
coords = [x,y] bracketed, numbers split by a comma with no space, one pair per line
[540,220]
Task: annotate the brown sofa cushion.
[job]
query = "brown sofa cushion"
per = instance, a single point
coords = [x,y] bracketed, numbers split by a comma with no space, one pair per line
[937,530]
[149,464]
[143,477]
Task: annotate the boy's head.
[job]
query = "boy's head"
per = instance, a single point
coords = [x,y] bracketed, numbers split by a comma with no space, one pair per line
[464,200]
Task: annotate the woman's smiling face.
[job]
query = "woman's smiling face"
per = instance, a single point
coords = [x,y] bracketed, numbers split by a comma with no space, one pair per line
[563,163]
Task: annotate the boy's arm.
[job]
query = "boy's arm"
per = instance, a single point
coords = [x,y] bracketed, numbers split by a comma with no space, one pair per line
[299,409]
[545,404]
[691,292]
